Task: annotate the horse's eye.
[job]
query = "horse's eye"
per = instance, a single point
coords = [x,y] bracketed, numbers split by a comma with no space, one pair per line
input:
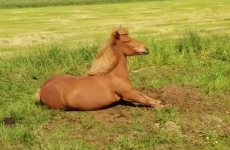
[127,41]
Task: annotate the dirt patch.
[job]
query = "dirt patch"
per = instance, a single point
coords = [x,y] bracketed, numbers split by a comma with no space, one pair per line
[192,99]
[9,121]
[113,115]
[226,129]
[58,120]
[182,97]
[153,93]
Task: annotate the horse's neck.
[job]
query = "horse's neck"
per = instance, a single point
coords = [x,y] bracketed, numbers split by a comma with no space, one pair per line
[120,71]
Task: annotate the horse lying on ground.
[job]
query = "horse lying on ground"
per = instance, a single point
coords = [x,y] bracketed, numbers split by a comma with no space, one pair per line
[106,82]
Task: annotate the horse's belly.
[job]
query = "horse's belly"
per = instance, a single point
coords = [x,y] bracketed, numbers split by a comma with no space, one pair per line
[91,98]
[77,93]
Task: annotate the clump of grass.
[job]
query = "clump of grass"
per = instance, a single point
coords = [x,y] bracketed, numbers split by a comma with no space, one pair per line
[191,43]
[168,114]
[44,3]
[40,63]
[215,47]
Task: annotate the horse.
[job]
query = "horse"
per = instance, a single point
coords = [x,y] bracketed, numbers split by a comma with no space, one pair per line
[106,82]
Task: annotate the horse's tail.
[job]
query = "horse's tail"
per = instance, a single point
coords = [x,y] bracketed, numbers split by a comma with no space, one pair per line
[37,95]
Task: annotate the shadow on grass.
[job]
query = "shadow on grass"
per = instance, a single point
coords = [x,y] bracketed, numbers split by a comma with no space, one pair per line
[116,104]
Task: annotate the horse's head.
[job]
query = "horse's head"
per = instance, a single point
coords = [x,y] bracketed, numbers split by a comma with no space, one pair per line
[128,45]
[121,43]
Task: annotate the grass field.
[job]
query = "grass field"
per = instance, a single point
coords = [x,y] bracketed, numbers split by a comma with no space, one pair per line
[44,3]
[162,19]
[189,66]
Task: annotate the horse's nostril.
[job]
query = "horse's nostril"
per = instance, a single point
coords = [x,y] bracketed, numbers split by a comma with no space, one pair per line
[147,51]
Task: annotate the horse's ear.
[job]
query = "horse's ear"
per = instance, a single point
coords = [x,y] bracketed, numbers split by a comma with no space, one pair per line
[115,34]
[114,37]
[121,34]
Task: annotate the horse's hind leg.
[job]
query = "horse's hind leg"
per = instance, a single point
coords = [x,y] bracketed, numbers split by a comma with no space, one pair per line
[136,96]
[37,94]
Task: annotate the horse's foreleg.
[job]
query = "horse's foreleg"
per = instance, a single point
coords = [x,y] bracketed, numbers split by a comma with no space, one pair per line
[139,97]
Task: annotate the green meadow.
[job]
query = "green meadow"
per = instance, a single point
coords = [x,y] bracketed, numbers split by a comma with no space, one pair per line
[189,64]
[44,3]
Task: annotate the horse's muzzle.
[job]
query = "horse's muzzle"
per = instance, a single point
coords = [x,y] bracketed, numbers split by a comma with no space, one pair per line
[146,52]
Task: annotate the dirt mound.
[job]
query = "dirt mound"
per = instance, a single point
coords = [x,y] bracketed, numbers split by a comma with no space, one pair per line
[182,97]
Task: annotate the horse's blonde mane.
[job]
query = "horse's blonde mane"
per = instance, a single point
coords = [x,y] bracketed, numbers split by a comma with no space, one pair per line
[105,61]
[107,57]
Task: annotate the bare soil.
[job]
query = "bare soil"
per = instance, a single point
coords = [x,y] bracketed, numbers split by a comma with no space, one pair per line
[9,121]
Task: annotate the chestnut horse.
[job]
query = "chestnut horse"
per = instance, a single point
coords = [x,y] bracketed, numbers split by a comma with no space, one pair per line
[106,82]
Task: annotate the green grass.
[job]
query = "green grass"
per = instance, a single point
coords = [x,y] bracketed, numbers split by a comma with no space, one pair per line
[43,3]
[20,76]
[193,54]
